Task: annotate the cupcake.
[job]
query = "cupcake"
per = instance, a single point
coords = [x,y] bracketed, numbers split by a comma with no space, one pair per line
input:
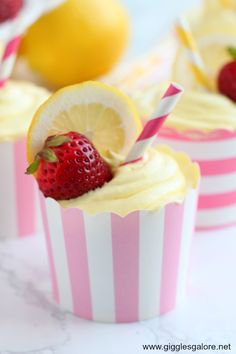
[18,102]
[214,29]
[203,124]
[118,235]
[209,137]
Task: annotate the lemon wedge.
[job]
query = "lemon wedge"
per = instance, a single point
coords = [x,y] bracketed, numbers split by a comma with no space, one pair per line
[101,112]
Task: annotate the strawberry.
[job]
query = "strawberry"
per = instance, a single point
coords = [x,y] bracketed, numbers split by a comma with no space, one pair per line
[69,166]
[9,9]
[227,77]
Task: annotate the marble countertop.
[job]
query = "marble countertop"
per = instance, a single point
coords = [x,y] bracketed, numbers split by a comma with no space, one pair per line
[31,323]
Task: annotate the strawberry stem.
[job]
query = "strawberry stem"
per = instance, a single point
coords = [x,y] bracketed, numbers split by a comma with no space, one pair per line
[232,52]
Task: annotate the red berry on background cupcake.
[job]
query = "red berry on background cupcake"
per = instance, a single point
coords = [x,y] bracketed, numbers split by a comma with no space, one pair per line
[69,166]
[227,77]
[9,9]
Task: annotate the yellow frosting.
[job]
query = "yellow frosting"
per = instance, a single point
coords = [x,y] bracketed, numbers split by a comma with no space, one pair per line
[196,110]
[212,6]
[163,177]
[18,102]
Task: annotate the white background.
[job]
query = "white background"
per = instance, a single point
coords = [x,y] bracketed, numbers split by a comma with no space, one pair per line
[151,19]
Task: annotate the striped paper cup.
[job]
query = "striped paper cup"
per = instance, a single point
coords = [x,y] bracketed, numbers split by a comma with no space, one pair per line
[17,191]
[112,269]
[216,154]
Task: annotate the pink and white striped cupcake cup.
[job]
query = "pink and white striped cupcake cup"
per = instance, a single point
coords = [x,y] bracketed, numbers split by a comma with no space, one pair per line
[17,191]
[109,268]
[216,155]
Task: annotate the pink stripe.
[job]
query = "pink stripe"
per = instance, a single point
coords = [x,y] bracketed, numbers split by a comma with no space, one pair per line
[172,90]
[197,135]
[171,253]
[125,245]
[25,193]
[11,47]
[218,167]
[215,227]
[152,127]
[75,241]
[3,82]
[208,201]
[55,291]
[133,161]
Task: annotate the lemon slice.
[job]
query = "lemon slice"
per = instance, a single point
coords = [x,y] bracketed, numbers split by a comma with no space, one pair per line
[213,33]
[101,112]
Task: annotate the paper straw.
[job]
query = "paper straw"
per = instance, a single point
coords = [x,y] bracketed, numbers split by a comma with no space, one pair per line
[10,51]
[149,133]
[195,60]
[13,30]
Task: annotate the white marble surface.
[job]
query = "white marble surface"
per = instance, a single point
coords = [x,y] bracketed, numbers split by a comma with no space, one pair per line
[31,323]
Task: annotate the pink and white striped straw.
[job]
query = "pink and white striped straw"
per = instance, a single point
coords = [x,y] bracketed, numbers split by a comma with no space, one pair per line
[151,129]
[10,51]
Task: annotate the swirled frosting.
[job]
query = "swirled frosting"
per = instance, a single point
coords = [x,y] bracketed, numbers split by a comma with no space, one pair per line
[18,102]
[196,110]
[162,177]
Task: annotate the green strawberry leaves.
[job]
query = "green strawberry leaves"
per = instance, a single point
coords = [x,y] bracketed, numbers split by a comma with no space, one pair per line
[47,154]
[32,168]
[232,52]
[57,141]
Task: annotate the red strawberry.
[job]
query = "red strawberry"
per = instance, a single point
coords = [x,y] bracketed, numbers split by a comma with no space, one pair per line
[69,166]
[9,9]
[227,77]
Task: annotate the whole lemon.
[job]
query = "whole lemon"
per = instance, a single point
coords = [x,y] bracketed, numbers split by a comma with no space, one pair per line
[78,41]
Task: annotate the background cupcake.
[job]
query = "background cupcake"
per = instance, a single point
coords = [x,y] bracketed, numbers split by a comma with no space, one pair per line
[18,102]
[203,124]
